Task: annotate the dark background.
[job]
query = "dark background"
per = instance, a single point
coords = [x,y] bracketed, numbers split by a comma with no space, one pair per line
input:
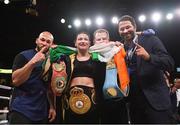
[18,29]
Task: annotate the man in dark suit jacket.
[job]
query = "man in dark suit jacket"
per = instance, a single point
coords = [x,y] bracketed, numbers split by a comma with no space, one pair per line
[147,58]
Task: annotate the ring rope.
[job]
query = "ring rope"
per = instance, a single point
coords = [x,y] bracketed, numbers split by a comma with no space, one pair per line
[3,121]
[4,97]
[4,111]
[6,71]
[5,87]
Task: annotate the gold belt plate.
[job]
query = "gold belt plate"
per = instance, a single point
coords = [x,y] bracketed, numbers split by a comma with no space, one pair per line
[112,92]
[79,102]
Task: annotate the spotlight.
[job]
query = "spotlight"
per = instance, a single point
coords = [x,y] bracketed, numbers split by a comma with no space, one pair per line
[115,20]
[63,20]
[169,16]
[6,1]
[178,69]
[69,26]
[77,23]
[88,22]
[34,2]
[177,11]
[142,18]
[99,21]
[156,17]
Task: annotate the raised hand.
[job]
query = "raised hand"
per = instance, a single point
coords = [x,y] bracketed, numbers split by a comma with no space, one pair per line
[40,56]
[119,44]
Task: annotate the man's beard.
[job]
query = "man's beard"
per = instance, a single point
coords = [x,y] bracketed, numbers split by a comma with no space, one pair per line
[127,38]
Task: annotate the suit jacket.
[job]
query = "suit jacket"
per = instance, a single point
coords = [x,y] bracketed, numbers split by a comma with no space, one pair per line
[150,73]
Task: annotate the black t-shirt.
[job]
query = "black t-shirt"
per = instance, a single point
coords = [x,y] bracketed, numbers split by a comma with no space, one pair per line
[19,62]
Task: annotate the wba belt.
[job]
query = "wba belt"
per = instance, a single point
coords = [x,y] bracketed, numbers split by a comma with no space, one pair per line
[81,99]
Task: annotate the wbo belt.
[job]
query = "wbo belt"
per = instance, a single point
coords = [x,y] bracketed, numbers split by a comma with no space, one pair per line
[79,102]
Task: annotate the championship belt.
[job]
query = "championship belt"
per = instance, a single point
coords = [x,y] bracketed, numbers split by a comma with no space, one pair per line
[79,102]
[111,88]
[59,77]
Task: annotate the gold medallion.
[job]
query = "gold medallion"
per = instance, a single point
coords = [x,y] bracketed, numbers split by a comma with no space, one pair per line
[79,102]
[60,82]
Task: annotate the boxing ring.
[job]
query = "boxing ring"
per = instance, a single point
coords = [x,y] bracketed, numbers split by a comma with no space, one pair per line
[5,110]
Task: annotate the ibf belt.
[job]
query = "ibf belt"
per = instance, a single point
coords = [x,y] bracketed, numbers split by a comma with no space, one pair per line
[79,102]
[59,77]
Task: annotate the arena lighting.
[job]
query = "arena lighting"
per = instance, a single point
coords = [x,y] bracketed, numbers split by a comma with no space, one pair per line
[88,22]
[114,20]
[34,2]
[156,17]
[99,21]
[69,26]
[177,11]
[77,23]
[6,71]
[3,121]
[178,69]
[142,18]
[63,20]
[169,16]
[6,1]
